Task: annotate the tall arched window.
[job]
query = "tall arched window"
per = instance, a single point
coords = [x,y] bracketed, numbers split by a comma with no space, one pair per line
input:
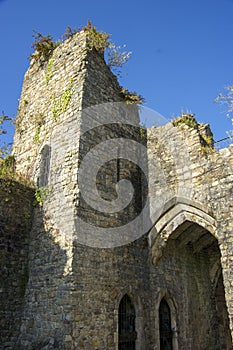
[165,330]
[126,324]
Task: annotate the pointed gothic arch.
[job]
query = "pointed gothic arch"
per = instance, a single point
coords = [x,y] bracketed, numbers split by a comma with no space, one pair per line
[166,320]
[127,334]
[165,329]
[187,235]
[135,298]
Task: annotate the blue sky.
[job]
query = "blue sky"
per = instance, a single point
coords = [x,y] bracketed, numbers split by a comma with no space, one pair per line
[182,52]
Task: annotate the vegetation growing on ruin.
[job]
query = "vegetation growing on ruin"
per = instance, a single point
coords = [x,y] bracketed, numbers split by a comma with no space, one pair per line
[96,39]
[131,97]
[70,32]
[36,137]
[41,193]
[207,142]
[5,148]
[7,167]
[61,103]
[116,56]
[7,160]
[8,172]
[186,119]
[43,46]
[49,70]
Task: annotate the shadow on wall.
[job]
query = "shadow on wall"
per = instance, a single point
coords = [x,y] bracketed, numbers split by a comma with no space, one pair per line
[35,295]
[15,224]
[47,308]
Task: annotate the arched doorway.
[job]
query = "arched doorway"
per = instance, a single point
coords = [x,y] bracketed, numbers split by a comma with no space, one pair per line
[126,324]
[185,266]
[165,331]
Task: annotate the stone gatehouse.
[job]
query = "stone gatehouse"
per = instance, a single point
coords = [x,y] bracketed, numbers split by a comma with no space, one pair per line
[171,288]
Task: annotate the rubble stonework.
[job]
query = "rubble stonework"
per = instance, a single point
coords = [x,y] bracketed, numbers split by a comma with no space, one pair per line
[72,292]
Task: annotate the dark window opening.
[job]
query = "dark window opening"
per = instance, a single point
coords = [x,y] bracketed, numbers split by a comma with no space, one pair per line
[126,324]
[44,166]
[165,330]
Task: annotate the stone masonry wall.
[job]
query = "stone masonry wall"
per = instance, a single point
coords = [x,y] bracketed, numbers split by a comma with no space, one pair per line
[15,223]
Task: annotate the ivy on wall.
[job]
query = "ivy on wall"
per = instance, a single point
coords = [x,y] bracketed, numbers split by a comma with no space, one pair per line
[60,104]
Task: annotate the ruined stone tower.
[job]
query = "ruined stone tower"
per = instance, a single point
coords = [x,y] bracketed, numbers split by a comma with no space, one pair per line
[171,286]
